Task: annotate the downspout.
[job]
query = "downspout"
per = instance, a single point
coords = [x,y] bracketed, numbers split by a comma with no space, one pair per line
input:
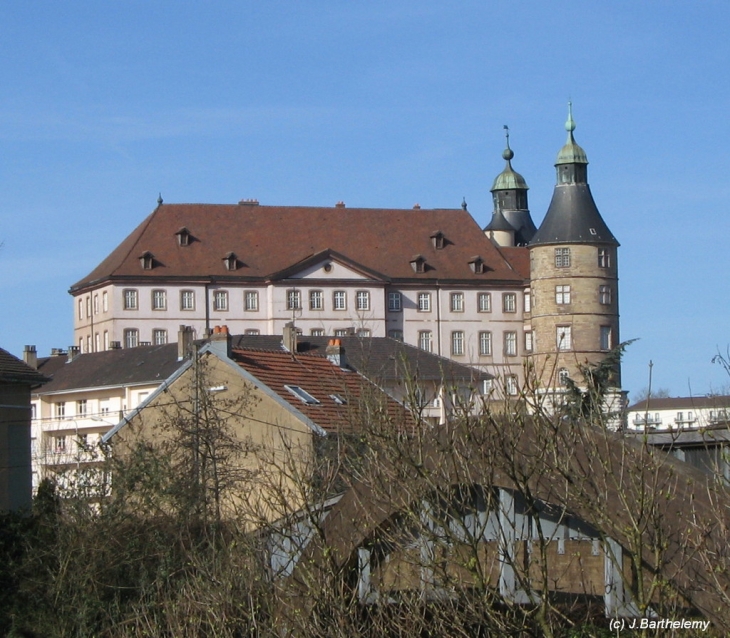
[207,310]
[438,319]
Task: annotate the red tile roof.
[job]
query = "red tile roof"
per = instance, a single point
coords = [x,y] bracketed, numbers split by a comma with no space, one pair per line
[322,379]
[270,239]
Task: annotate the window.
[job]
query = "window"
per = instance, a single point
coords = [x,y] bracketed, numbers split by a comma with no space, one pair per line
[220,300]
[339,300]
[59,409]
[604,295]
[485,343]
[106,340]
[396,334]
[604,258]
[88,306]
[510,385]
[293,300]
[81,407]
[251,301]
[509,302]
[457,302]
[147,261]
[439,240]
[159,300]
[342,332]
[131,338]
[363,300]
[252,332]
[130,299]
[183,237]
[563,376]
[159,337]
[316,300]
[317,332]
[562,257]
[81,309]
[529,341]
[562,295]
[88,343]
[363,333]
[301,394]
[606,338]
[484,302]
[187,300]
[564,337]
[97,342]
[457,343]
[104,302]
[394,302]
[59,443]
[96,304]
[424,302]
[424,340]
[82,441]
[527,300]
[510,344]
[230,261]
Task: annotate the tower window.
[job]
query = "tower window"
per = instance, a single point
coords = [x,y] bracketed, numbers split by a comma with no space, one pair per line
[564,338]
[604,258]
[562,295]
[529,341]
[562,257]
[604,295]
[606,338]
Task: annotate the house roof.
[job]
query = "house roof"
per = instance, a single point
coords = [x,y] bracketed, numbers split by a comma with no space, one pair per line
[681,403]
[377,358]
[268,240]
[323,381]
[13,370]
[143,364]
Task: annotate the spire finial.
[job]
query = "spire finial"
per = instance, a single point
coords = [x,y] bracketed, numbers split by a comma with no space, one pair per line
[507,154]
[570,124]
[159,199]
[463,203]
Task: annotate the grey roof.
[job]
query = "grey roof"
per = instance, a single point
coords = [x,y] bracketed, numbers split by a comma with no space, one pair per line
[499,222]
[573,218]
[377,358]
[682,403]
[143,364]
[13,370]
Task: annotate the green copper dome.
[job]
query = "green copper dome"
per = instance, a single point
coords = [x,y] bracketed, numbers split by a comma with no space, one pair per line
[571,153]
[509,179]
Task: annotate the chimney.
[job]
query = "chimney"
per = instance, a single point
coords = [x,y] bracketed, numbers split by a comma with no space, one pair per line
[185,337]
[290,337]
[73,352]
[336,353]
[221,341]
[30,356]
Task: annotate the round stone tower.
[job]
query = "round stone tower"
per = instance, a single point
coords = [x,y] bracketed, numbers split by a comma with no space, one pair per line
[574,277]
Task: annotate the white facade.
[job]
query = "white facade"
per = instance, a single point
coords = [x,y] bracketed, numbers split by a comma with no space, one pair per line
[481,325]
[678,413]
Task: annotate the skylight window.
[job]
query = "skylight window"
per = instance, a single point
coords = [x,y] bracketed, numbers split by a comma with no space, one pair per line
[338,399]
[302,394]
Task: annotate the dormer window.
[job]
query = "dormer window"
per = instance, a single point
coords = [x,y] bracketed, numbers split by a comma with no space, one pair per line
[438,239]
[477,265]
[147,260]
[418,263]
[302,394]
[183,237]
[230,261]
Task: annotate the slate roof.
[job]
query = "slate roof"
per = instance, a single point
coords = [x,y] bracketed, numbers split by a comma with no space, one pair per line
[13,370]
[380,240]
[322,380]
[573,218]
[377,358]
[143,364]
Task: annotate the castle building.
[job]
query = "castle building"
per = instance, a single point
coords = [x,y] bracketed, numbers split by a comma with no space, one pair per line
[430,277]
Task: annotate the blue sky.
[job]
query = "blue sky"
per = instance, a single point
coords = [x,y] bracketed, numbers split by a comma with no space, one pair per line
[106,104]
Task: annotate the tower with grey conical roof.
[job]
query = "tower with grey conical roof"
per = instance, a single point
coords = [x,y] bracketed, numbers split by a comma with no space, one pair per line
[574,276]
[511,224]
